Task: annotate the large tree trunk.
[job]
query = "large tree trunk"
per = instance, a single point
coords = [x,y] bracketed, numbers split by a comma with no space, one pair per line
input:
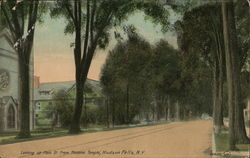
[220,85]
[75,124]
[237,132]
[231,105]
[217,97]
[218,74]
[24,96]
[24,53]
[220,92]
[240,130]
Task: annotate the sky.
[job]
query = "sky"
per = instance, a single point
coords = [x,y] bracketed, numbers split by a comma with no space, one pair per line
[54,60]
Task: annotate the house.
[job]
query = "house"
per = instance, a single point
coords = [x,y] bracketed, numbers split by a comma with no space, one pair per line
[9,87]
[43,94]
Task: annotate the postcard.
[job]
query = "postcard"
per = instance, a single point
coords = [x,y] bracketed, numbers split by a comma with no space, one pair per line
[124,78]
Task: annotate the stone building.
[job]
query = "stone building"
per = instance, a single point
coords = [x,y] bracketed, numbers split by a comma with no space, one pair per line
[9,87]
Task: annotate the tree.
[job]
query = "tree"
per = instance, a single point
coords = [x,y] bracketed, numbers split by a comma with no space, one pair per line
[153,72]
[237,132]
[62,108]
[98,18]
[123,69]
[16,15]
[200,34]
[164,74]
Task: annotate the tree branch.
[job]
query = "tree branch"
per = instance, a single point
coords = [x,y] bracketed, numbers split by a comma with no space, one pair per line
[86,33]
[12,29]
[91,49]
[76,9]
[15,21]
[22,18]
[33,9]
[70,12]
[92,21]
[30,14]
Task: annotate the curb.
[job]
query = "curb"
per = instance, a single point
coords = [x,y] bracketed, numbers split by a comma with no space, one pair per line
[215,154]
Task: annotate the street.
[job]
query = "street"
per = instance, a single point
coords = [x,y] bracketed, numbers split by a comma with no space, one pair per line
[181,140]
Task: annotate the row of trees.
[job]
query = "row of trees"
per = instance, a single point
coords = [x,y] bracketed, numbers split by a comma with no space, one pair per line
[219,33]
[153,82]
[237,131]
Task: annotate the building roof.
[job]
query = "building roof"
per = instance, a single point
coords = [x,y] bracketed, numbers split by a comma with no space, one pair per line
[45,91]
[96,85]
[6,45]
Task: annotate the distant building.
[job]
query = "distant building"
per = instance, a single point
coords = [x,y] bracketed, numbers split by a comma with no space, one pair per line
[9,87]
[43,93]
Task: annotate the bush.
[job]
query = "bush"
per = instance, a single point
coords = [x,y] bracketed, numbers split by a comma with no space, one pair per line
[62,107]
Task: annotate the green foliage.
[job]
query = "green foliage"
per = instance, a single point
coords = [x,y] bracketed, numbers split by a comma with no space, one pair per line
[44,122]
[92,21]
[124,67]
[165,68]
[22,12]
[89,91]
[243,33]
[197,40]
[90,116]
[117,10]
[63,107]
[148,71]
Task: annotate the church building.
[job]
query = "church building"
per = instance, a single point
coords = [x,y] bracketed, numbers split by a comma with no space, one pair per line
[9,87]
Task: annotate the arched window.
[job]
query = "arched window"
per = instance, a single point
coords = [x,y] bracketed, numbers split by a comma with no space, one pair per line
[11,117]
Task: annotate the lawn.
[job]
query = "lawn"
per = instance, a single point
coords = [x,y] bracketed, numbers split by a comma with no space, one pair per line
[221,141]
[10,137]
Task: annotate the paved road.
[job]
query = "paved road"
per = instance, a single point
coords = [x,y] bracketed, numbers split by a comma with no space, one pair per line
[175,140]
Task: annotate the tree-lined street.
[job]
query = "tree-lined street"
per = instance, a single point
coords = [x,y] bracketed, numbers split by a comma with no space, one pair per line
[193,65]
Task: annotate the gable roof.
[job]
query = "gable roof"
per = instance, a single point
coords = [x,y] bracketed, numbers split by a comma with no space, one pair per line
[45,91]
[6,35]
[7,51]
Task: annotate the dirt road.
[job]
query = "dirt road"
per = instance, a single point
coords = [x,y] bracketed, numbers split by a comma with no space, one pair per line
[175,140]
